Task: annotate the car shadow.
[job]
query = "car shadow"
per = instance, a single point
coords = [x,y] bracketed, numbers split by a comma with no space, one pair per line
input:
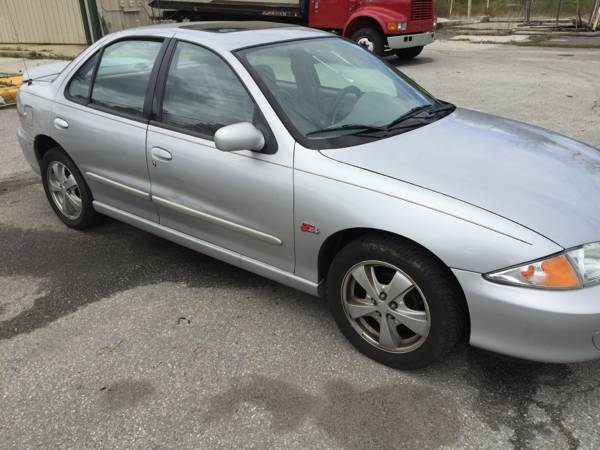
[402,62]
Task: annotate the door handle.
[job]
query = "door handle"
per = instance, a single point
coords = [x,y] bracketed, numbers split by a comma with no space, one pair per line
[162,154]
[61,124]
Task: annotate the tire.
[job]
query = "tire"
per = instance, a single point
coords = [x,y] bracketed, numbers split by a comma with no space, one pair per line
[435,297]
[408,53]
[370,39]
[57,161]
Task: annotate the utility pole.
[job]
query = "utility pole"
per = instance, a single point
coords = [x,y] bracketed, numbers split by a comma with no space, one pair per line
[528,11]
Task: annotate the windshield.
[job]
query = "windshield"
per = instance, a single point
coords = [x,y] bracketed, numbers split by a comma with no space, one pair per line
[329,88]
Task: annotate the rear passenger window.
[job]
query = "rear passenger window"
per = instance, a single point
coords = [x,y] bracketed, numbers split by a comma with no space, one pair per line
[123,76]
[79,86]
[202,93]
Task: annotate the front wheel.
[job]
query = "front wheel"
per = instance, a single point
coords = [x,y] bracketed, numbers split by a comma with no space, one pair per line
[369,39]
[395,302]
[408,53]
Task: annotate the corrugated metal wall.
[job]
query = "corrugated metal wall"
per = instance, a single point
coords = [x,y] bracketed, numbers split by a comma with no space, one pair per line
[41,22]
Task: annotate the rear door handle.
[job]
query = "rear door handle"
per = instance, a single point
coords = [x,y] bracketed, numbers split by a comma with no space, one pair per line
[161,154]
[61,124]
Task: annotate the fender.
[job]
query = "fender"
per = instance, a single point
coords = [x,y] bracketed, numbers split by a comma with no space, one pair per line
[461,235]
[379,14]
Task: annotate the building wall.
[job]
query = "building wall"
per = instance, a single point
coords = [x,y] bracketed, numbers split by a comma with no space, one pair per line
[41,22]
[116,15]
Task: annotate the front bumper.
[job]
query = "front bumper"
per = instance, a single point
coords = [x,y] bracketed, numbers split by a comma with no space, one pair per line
[410,40]
[533,324]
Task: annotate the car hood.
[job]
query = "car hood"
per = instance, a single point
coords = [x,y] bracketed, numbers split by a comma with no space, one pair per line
[539,179]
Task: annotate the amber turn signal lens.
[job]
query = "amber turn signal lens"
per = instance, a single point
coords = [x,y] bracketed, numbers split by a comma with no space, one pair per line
[555,272]
[560,273]
[529,272]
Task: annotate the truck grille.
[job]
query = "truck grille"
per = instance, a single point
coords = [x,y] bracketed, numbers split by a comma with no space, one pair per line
[421,9]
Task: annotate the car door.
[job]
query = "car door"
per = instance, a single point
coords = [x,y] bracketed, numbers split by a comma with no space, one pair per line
[329,13]
[101,122]
[240,201]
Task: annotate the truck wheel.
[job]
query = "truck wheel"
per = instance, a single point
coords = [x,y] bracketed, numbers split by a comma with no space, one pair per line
[370,39]
[407,53]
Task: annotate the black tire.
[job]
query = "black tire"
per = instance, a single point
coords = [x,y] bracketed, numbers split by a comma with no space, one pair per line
[370,37]
[447,313]
[408,53]
[87,217]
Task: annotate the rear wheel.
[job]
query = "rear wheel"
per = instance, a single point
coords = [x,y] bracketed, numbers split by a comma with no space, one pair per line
[370,39]
[67,191]
[395,302]
[407,53]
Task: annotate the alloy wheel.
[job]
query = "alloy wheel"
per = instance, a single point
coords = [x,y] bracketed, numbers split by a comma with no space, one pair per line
[385,306]
[64,190]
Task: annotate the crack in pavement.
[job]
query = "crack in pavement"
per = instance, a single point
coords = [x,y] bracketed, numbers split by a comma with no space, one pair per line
[507,390]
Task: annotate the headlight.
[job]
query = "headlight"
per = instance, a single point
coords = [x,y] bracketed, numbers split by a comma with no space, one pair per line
[572,269]
[586,260]
[396,26]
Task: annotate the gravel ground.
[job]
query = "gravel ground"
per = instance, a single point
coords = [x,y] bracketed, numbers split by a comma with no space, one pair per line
[115,338]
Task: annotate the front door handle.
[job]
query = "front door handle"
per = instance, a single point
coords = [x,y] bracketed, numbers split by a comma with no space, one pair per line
[61,124]
[161,154]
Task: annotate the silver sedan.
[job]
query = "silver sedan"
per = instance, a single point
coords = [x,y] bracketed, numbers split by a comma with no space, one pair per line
[302,157]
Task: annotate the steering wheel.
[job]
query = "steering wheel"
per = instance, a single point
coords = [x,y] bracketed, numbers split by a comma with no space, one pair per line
[338,100]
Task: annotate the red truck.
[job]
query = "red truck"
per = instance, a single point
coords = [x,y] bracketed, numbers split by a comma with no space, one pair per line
[400,26]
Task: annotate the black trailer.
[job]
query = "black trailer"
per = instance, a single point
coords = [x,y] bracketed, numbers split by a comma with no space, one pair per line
[181,10]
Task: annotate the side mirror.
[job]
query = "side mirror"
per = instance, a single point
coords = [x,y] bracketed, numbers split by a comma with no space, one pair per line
[239,136]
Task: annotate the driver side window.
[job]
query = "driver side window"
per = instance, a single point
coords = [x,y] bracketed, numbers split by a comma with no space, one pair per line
[202,93]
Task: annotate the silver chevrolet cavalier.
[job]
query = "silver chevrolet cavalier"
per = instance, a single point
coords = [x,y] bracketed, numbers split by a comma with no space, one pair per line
[302,157]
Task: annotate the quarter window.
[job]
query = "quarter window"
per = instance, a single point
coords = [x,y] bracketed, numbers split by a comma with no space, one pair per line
[202,93]
[123,76]
[79,86]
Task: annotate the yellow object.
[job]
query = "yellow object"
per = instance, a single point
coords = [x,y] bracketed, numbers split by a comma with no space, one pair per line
[557,272]
[9,85]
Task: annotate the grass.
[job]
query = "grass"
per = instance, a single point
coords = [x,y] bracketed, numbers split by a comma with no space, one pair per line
[455,31]
[530,43]
[534,40]
[29,54]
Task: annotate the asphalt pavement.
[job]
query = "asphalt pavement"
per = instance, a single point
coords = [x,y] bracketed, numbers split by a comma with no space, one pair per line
[114,338]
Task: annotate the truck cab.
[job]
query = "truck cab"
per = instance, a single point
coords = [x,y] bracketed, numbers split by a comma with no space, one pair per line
[402,26]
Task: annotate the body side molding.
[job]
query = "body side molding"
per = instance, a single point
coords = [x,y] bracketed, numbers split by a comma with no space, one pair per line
[217,220]
[117,185]
[228,256]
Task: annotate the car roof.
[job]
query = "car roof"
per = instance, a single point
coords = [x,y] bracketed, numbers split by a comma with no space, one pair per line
[232,35]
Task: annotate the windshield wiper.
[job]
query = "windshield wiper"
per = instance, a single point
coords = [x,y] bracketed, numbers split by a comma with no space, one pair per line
[430,109]
[443,107]
[349,126]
